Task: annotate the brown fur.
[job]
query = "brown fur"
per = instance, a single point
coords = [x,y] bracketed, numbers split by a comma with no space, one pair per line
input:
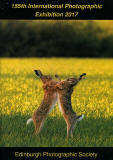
[49,100]
[51,88]
[65,89]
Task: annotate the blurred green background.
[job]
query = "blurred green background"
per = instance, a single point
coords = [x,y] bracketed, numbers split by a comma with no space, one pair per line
[56,38]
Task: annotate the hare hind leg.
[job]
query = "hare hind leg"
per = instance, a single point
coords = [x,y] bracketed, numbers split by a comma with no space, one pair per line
[39,126]
[68,130]
[72,128]
[38,121]
[71,132]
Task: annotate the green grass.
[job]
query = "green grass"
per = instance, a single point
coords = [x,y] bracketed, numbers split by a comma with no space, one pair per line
[22,93]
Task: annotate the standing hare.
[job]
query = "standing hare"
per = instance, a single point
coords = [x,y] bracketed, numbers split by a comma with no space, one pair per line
[65,89]
[48,102]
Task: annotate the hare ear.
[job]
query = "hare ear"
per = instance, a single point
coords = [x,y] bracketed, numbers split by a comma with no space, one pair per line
[57,76]
[38,73]
[82,75]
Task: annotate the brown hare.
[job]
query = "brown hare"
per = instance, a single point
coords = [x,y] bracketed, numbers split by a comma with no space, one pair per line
[48,102]
[64,90]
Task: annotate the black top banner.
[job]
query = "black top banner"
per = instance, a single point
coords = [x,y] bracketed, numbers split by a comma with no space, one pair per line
[56,9]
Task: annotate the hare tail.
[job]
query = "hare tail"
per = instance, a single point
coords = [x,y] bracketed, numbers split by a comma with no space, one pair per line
[79,118]
[29,121]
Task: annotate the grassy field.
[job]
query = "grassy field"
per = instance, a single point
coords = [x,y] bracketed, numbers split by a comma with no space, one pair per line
[22,93]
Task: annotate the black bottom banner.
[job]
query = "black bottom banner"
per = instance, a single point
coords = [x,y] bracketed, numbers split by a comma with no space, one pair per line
[60,153]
